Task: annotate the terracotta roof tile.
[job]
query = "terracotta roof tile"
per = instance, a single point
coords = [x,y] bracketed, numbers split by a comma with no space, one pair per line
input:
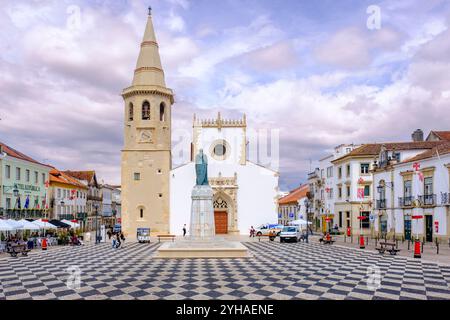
[61,177]
[443,135]
[81,175]
[295,195]
[19,155]
[374,149]
[441,149]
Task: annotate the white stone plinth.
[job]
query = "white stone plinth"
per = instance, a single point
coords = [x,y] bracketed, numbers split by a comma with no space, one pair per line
[186,249]
[202,213]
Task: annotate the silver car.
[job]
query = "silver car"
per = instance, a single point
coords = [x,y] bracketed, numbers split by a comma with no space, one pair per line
[290,233]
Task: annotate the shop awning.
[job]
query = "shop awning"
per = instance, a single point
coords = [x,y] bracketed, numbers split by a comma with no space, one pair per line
[71,224]
[60,224]
[5,226]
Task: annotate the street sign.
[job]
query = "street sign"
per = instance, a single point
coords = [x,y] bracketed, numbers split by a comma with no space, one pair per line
[291,215]
[362,217]
[416,217]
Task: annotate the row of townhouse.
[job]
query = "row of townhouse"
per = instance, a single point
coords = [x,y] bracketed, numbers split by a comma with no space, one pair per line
[294,205]
[32,190]
[389,184]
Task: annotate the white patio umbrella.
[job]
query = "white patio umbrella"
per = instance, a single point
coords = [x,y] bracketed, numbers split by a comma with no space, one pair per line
[73,225]
[5,226]
[27,225]
[44,225]
[15,224]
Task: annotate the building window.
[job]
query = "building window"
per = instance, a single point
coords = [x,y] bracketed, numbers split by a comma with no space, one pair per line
[27,175]
[365,168]
[137,176]
[340,192]
[130,112]
[348,219]
[18,174]
[330,194]
[340,219]
[8,203]
[43,178]
[8,172]
[348,170]
[340,172]
[365,223]
[162,112]
[141,213]
[146,110]
[36,177]
[348,191]
[366,191]
[329,172]
[428,186]
[407,188]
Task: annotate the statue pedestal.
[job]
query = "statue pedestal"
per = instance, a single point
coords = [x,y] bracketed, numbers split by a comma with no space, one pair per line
[202,242]
[202,213]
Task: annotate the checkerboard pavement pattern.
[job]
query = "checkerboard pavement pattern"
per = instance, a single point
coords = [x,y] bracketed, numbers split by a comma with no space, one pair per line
[276,271]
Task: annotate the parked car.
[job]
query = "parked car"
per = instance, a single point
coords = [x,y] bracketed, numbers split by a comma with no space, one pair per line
[290,233]
[266,228]
[143,235]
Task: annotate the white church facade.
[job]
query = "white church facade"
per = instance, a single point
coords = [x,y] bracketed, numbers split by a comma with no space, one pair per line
[156,196]
[245,193]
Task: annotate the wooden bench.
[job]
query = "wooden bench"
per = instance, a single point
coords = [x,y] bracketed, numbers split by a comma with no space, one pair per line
[388,246]
[15,249]
[268,236]
[166,236]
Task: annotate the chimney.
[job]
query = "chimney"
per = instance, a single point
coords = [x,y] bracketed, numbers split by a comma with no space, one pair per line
[417,135]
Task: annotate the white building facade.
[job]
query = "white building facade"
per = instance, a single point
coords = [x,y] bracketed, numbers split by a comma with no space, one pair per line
[245,193]
[412,197]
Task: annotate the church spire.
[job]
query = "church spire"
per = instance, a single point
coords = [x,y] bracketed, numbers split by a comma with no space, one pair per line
[148,68]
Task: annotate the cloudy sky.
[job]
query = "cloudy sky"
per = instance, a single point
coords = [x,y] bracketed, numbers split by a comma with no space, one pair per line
[311,69]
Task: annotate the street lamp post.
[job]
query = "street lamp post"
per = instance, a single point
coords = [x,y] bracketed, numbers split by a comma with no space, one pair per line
[307,204]
[97,240]
[381,189]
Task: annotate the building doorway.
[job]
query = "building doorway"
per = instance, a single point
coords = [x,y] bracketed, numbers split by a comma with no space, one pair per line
[221,222]
[407,228]
[429,228]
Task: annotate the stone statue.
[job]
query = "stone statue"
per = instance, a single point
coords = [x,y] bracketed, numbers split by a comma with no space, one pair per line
[201,168]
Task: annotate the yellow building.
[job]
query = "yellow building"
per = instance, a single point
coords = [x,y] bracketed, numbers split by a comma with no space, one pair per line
[146,156]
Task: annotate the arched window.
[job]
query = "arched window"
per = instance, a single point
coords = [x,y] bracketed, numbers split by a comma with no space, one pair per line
[162,111]
[146,110]
[141,213]
[130,112]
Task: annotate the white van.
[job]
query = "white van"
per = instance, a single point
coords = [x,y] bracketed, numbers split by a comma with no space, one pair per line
[290,233]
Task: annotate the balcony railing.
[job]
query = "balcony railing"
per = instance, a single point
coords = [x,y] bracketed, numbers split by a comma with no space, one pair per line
[427,200]
[381,204]
[16,214]
[445,198]
[406,201]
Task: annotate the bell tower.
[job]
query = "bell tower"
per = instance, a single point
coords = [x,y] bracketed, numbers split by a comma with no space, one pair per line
[146,156]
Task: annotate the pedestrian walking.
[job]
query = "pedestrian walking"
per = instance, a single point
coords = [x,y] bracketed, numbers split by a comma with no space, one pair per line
[119,242]
[122,238]
[252,232]
[184,230]
[113,241]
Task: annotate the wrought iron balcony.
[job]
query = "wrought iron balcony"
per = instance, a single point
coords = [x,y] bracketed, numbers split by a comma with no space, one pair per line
[406,201]
[381,204]
[17,214]
[427,200]
[445,198]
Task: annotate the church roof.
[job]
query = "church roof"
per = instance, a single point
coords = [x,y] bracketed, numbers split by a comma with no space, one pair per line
[295,195]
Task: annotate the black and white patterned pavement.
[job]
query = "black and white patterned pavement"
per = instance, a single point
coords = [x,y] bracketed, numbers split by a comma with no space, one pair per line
[276,271]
